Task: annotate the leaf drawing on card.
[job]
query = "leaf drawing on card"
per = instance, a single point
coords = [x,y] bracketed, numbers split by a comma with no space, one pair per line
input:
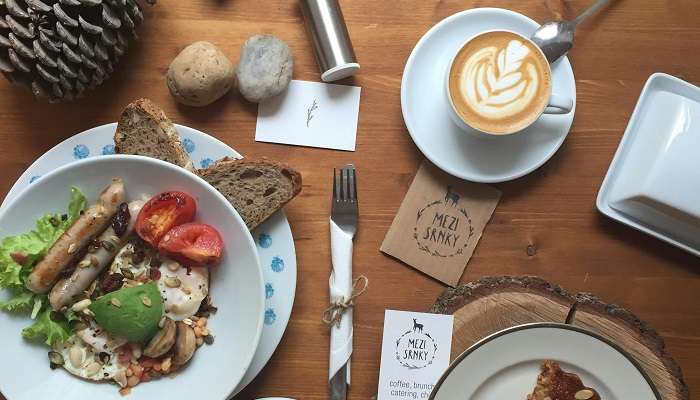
[310,111]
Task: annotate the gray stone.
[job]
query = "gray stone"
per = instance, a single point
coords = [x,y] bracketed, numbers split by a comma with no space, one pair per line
[265,68]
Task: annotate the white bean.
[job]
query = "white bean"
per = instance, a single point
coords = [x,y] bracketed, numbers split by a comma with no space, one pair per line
[92,368]
[75,354]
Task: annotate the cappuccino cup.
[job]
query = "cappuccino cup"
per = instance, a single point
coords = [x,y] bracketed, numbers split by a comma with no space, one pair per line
[499,83]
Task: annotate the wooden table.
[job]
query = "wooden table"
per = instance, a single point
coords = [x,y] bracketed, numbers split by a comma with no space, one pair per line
[546,223]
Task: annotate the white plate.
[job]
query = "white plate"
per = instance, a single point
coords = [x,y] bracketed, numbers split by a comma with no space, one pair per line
[274,237]
[426,109]
[505,365]
[651,183]
[237,286]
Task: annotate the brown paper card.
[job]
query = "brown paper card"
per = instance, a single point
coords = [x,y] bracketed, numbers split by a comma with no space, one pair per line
[439,223]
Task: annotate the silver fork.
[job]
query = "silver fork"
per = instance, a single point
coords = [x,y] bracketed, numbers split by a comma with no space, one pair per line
[344,209]
[344,214]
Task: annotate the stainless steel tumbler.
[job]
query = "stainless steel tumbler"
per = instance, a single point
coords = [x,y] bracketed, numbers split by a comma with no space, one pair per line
[329,34]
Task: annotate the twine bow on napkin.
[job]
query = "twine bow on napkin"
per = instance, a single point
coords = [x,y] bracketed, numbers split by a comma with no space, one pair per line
[334,312]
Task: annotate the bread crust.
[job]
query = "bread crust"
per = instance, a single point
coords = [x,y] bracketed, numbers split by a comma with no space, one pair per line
[150,111]
[227,164]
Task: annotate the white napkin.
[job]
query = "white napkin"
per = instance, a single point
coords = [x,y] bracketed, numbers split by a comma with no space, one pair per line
[340,284]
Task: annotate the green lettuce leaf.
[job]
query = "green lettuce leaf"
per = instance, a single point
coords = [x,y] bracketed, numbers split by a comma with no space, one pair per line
[48,330]
[22,301]
[32,246]
[18,256]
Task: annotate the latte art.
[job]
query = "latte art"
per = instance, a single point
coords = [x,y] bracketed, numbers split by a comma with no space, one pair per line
[499,82]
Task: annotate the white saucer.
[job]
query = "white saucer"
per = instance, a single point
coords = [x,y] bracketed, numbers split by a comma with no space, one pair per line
[505,365]
[425,106]
[274,239]
[651,183]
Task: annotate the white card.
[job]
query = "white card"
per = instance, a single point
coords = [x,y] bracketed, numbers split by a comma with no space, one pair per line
[311,114]
[415,352]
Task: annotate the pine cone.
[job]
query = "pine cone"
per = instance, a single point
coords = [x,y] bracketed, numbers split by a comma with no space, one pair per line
[62,48]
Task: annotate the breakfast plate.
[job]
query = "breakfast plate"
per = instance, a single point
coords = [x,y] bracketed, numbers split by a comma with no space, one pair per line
[273,238]
[506,365]
[425,106]
[94,332]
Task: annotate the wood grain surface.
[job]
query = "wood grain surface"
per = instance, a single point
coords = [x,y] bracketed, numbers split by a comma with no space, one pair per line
[546,223]
[489,305]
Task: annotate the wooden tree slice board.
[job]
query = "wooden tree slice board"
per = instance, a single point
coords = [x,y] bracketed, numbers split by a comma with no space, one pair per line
[491,304]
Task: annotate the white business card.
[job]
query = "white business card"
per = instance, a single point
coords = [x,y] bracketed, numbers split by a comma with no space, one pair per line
[415,352]
[311,114]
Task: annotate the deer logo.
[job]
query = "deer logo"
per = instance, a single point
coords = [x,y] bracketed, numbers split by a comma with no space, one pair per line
[417,327]
[415,348]
[451,197]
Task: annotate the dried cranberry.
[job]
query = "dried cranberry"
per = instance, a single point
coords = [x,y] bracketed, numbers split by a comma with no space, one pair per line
[139,256]
[111,282]
[121,219]
[154,274]
[19,257]
[156,262]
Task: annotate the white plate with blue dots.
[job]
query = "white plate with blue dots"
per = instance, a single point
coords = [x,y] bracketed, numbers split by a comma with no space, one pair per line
[274,239]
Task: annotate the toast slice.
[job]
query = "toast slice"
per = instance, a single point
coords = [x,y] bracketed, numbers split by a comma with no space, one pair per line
[145,130]
[255,188]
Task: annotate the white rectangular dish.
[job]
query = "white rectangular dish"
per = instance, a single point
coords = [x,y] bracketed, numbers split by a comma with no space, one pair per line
[653,183]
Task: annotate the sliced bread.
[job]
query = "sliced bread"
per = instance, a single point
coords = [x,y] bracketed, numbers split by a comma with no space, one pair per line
[255,188]
[145,130]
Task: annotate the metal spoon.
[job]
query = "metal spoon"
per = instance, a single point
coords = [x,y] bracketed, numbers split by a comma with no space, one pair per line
[556,38]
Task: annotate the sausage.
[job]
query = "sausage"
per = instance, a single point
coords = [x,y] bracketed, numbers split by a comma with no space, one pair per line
[90,267]
[93,221]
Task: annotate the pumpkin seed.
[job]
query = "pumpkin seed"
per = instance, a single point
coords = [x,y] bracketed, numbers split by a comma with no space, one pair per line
[172,282]
[115,302]
[127,274]
[146,301]
[72,248]
[81,305]
[55,359]
[107,245]
[104,357]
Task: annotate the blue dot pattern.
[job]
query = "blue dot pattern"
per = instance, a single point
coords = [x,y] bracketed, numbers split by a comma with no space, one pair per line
[108,149]
[264,240]
[277,264]
[189,146]
[80,151]
[269,291]
[34,178]
[205,163]
[270,316]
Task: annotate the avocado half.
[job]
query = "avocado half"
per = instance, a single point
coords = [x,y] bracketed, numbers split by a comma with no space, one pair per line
[132,313]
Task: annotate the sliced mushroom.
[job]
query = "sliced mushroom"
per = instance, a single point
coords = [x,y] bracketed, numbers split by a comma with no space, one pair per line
[185,344]
[162,341]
